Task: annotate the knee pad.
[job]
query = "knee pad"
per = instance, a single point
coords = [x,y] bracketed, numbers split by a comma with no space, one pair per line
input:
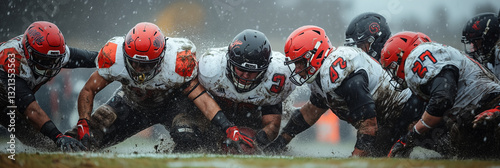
[103,117]
[185,135]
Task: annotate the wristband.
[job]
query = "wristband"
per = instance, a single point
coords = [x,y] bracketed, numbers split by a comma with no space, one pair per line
[423,123]
[50,130]
[221,121]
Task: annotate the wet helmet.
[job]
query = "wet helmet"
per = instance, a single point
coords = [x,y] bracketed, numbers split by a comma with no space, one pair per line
[45,48]
[308,44]
[370,29]
[248,53]
[395,52]
[480,35]
[144,51]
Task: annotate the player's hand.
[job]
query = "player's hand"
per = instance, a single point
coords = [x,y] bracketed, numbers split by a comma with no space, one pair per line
[486,116]
[234,134]
[403,145]
[69,144]
[277,146]
[84,132]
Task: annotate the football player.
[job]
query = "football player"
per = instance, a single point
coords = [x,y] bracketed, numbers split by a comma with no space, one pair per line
[350,83]
[249,82]
[158,85]
[481,37]
[368,31]
[460,93]
[28,62]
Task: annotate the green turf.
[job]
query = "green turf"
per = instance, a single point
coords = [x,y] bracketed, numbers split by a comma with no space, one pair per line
[42,160]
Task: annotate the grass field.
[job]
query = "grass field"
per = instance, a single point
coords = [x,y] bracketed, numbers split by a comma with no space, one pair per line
[42,160]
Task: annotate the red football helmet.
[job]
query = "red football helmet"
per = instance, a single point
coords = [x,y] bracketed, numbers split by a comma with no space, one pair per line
[395,52]
[143,51]
[45,48]
[311,45]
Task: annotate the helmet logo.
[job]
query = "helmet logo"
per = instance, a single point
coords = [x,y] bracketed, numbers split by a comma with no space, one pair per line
[236,44]
[158,42]
[476,26]
[37,37]
[374,28]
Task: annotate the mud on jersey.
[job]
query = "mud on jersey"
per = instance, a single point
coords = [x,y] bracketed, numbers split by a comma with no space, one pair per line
[19,65]
[348,60]
[178,67]
[427,60]
[274,88]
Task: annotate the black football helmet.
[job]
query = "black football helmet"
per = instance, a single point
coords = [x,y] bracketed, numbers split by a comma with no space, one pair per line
[480,35]
[249,51]
[368,28]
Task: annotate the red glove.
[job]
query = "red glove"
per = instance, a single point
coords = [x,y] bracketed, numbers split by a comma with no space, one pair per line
[83,132]
[234,134]
[487,115]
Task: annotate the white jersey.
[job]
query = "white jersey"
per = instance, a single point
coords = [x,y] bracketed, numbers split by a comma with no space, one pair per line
[274,88]
[348,60]
[428,59]
[22,67]
[178,67]
[496,63]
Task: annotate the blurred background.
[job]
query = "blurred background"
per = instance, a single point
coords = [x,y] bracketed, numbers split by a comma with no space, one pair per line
[88,24]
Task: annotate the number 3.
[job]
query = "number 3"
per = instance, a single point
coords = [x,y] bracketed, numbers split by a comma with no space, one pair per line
[280,79]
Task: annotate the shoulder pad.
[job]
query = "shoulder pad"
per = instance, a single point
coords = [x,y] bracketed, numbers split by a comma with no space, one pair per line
[10,60]
[207,62]
[107,55]
[185,63]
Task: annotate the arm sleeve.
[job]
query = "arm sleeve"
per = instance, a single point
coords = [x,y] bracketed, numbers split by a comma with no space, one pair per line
[316,101]
[80,58]
[412,110]
[357,96]
[24,95]
[443,90]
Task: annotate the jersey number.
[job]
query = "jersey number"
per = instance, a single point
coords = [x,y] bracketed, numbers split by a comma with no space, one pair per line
[280,79]
[418,68]
[334,75]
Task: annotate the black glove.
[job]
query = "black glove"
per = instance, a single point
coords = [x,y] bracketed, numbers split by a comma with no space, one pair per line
[278,146]
[69,144]
[66,143]
[404,144]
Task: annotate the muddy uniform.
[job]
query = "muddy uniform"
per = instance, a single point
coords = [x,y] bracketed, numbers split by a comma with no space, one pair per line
[27,83]
[349,71]
[495,66]
[135,107]
[245,108]
[477,90]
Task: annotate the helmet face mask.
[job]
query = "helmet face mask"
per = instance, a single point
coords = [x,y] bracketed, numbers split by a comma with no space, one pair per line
[144,48]
[44,48]
[248,58]
[141,69]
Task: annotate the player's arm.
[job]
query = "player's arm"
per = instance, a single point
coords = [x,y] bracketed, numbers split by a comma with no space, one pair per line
[86,97]
[207,105]
[443,90]
[80,58]
[300,121]
[354,90]
[271,121]
[29,107]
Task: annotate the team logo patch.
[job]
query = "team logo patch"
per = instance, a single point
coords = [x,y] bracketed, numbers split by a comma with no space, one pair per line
[476,26]
[374,28]
[37,37]
[236,44]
